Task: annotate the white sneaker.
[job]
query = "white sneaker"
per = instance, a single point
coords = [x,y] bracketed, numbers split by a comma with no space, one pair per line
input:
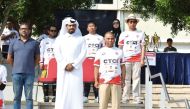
[124,101]
[137,102]
[96,100]
[85,99]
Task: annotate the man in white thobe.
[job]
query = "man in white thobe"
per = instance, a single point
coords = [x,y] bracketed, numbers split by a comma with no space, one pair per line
[70,51]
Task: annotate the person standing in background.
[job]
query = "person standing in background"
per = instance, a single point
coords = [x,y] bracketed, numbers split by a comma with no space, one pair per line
[23,55]
[116,30]
[170,48]
[93,42]
[109,71]
[133,45]
[44,34]
[8,34]
[47,53]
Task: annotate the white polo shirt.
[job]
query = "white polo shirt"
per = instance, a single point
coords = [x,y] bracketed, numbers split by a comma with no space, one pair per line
[93,42]
[132,42]
[47,50]
[109,61]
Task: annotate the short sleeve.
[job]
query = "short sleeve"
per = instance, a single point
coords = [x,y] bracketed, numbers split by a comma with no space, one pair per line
[122,58]
[42,49]
[10,51]
[97,59]
[121,39]
[37,48]
[102,42]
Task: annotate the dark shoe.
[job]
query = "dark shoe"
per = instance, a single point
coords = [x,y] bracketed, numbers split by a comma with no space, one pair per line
[46,99]
[53,100]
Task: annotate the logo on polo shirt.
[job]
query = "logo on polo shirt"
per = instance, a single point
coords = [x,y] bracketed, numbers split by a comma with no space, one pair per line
[132,42]
[106,61]
[103,53]
[50,50]
[94,45]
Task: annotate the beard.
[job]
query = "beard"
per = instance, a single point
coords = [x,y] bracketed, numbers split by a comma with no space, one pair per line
[71,31]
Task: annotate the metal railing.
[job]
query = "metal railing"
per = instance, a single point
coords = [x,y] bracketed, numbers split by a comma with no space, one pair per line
[164,92]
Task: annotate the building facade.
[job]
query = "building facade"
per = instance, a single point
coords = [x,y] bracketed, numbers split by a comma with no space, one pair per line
[181,41]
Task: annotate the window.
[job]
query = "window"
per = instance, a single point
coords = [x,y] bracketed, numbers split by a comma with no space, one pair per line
[104,1]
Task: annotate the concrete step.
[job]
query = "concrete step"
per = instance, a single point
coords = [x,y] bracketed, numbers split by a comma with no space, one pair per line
[175,91]
[50,105]
[42,105]
[94,106]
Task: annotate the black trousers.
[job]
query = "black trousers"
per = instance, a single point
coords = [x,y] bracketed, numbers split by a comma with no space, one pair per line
[47,89]
[87,86]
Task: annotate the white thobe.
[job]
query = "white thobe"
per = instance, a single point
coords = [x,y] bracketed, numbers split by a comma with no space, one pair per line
[69,92]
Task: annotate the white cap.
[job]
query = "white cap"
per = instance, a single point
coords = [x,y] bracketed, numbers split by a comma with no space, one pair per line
[131,17]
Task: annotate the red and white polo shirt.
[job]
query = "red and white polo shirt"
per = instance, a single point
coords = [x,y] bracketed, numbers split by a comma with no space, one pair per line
[93,42]
[109,61]
[132,42]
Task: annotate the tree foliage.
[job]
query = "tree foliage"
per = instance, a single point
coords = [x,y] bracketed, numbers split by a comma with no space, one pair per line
[174,12]
[37,12]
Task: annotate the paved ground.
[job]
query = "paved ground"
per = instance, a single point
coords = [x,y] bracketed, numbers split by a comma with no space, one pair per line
[8,93]
[11,107]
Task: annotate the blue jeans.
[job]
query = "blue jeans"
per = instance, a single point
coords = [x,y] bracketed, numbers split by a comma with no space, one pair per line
[20,80]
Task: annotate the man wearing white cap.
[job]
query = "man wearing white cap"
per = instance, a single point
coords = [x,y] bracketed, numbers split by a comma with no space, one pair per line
[70,50]
[132,43]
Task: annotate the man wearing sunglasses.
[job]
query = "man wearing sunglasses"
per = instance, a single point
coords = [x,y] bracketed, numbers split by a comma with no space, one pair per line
[47,53]
[132,43]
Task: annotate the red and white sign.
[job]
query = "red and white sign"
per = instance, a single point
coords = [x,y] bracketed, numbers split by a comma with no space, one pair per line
[151,58]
